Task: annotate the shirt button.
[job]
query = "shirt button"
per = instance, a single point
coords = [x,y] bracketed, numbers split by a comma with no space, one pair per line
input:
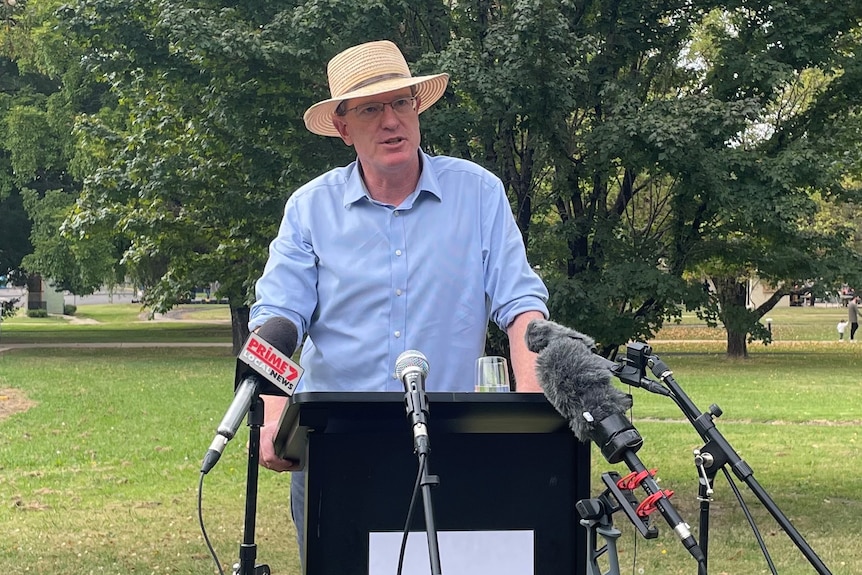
[397,334]
[398,292]
[396,213]
[397,252]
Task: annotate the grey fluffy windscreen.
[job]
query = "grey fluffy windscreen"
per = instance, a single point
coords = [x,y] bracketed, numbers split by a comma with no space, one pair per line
[541,332]
[575,380]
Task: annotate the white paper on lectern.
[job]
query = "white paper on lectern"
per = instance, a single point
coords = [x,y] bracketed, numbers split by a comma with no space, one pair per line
[461,553]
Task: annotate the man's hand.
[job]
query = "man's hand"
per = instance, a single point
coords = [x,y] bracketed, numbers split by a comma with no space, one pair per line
[273,407]
[523,360]
[268,457]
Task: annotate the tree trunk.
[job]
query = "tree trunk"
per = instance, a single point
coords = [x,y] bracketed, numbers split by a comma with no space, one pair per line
[239,326]
[737,343]
[732,297]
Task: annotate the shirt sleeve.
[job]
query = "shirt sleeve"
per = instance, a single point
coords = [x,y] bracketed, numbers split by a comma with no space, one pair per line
[512,286]
[287,287]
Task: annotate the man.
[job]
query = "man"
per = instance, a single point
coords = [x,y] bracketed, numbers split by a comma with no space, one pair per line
[853,316]
[396,251]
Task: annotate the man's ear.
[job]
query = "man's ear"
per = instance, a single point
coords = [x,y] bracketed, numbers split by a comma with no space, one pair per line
[343,130]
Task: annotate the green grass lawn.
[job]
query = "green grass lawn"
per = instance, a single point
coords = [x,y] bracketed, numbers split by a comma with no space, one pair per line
[121,322]
[100,474]
[100,451]
[788,324]
[793,413]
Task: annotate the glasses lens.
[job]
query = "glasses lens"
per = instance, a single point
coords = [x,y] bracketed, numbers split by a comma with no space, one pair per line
[374,109]
[403,105]
[369,110]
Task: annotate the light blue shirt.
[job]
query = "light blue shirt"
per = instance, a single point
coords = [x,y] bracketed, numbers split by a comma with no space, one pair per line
[367,281]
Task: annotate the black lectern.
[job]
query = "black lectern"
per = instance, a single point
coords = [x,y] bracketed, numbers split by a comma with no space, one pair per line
[506,462]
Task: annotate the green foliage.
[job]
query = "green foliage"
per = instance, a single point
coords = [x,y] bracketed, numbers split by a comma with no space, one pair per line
[644,147]
[79,267]
[37,313]
[191,167]
[35,138]
[550,115]
[31,142]
[8,307]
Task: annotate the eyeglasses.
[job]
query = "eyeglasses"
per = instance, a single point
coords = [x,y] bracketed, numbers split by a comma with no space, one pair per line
[371,110]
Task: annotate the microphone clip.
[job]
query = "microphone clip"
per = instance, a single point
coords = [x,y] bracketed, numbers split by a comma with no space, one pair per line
[617,497]
[632,369]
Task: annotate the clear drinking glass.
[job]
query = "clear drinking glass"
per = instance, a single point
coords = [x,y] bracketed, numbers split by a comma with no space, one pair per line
[492,374]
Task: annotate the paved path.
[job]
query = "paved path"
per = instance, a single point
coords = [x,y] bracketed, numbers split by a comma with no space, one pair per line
[9,346]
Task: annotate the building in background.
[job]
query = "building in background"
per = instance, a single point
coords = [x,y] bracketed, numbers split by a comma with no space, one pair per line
[40,295]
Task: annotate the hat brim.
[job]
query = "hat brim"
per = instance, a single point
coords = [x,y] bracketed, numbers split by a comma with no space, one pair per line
[429,89]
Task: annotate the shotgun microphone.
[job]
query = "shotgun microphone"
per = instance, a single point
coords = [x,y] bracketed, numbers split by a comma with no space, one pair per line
[541,333]
[577,383]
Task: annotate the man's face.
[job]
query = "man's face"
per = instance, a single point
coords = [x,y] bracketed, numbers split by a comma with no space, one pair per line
[387,142]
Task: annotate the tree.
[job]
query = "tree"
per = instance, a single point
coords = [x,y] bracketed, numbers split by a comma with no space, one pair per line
[194,162]
[36,147]
[798,146]
[14,223]
[643,145]
[557,99]
[77,267]
[622,143]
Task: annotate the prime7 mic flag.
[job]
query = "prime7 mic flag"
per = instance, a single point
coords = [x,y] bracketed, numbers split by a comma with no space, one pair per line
[269,362]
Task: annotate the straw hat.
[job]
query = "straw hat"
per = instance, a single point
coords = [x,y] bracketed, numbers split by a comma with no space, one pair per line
[365,70]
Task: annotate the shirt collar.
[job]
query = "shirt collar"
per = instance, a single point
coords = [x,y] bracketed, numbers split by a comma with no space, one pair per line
[355,189]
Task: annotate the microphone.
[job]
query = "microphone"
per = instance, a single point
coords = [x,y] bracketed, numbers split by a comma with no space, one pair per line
[541,332]
[577,383]
[411,368]
[263,365]
[574,379]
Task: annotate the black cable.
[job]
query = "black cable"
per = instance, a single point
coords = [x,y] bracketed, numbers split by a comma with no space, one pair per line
[422,461]
[635,540]
[203,529]
[751,521]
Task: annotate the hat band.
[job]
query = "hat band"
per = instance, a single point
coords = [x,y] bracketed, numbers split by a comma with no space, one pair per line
[374,80]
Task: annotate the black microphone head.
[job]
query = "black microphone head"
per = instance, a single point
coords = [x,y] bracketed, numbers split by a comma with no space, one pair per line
[541,332]
[414,359]
[575,380]
[280,333]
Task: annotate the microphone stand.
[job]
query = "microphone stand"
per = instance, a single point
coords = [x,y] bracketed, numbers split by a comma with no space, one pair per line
[416,405]
[619,441]
[427,482]
[717,453]
[248,548]
[597,516]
